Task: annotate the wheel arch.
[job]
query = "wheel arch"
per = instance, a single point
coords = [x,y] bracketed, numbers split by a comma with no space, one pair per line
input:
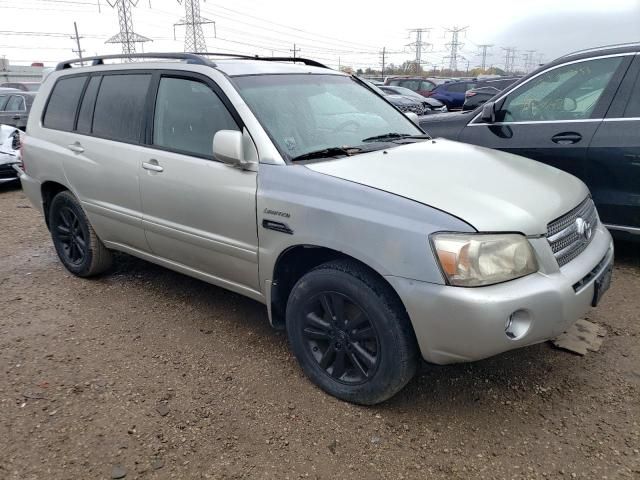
[50,189]
[293,263]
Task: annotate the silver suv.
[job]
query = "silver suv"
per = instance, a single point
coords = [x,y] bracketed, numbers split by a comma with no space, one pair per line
[302,188]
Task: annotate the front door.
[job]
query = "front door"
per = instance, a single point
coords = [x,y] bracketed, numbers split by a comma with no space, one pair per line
[198,212]
[552,118]
[15,112]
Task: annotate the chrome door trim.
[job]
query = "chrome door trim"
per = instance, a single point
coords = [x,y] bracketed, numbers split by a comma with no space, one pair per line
[543,122]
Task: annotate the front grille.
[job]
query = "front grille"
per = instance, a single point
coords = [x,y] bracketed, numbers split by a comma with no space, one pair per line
[570,234]
[417,108]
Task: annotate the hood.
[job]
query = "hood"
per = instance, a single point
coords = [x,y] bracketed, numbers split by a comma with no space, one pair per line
[492,191]
[401,100]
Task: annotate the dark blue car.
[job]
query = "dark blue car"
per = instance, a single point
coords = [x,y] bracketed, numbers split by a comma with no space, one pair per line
[452,93]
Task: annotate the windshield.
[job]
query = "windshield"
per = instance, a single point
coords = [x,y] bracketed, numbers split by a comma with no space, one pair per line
[307,113]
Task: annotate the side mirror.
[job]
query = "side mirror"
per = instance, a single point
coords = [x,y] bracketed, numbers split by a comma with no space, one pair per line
[488,112]
[228,148]
[413,117]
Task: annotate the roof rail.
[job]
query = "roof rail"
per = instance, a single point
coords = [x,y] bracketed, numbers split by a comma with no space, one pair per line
[190,57]
[306,61]
[99,60]
[602,48]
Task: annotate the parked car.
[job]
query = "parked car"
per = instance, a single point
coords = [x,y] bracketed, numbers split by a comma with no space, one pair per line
[579,113]
[24,86]
[401,102]
[431,105]
[452,93]
[417,84]
[10,142]
[485,90]
[15,107]
[300,187]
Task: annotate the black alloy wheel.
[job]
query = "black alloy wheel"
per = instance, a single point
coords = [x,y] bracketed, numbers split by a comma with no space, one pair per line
[341,338]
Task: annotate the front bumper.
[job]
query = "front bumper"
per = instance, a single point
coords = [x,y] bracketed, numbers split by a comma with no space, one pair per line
[456,324]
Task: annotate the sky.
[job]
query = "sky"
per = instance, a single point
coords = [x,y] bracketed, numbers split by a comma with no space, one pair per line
[335,32]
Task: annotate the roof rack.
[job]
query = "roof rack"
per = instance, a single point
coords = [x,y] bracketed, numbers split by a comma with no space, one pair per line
[194,58]
[99,60]
[602,48]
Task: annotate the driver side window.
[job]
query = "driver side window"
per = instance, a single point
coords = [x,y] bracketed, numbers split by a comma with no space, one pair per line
[570,92]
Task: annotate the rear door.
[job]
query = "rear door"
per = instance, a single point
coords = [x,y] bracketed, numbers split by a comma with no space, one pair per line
[101,141]
[198,212]
[15,111]
[553,116]
[614,157]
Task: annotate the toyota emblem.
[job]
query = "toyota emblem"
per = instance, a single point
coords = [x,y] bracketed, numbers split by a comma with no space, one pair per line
[583,228]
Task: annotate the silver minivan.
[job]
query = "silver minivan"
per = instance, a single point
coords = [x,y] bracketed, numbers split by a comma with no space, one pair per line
[371,243]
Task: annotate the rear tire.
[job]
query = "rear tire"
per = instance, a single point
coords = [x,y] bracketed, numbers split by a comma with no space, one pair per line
[350,333]
[78,247]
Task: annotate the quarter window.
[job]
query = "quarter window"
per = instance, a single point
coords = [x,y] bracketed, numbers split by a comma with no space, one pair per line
[119,110]
[570,92]
[61,110]
[187,116]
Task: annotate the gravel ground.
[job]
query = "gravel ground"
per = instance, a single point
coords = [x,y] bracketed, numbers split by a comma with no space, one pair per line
[150,374]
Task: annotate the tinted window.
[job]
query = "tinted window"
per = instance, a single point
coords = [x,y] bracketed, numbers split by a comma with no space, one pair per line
[568,92]
[187,116]
[428,86]
[16,104]
[3,100]
[61,110]
[88,102]
[458,87]
[119,109]
[633,106]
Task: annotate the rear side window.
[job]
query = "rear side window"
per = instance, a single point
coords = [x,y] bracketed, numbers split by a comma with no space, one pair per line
[88,102]
[187,116]
[63,103]
[458,87]
[119,109]
[3,101]
[16,104]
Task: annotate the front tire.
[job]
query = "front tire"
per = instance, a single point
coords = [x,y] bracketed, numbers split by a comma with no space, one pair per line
[78,247]
[350,333]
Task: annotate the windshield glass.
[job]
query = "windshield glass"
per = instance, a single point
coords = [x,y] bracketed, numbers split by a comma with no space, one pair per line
[306,113]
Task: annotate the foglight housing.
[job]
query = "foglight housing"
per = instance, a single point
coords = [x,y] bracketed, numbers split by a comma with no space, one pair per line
[474,260]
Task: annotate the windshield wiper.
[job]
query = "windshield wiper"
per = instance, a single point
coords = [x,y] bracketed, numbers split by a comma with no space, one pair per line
[393,136]
[328,152]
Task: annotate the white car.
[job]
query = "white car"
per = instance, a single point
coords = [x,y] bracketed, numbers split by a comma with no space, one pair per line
[10,141]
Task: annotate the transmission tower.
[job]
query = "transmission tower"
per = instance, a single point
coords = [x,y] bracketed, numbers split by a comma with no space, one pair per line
[419,45]
[194,36]
[509,59]
[483,54]
[454,46]
[127,37]
[529,60]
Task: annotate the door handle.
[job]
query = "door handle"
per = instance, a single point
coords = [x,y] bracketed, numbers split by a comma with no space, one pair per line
[566,138]
[16,117]
[76,147]
[153,166]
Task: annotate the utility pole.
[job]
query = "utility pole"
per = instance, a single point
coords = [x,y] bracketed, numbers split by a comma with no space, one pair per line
[77,39]
[419,45]
[483,54]
[296,50]
[455,45]
[193,36]
[384,52]
[127,37]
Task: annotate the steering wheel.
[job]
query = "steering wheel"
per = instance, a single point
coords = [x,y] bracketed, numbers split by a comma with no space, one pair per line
[345,125]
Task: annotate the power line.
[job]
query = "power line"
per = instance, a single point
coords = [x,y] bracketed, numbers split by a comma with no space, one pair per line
[194,36]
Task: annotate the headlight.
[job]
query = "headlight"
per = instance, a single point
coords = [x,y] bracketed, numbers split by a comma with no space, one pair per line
[471,260]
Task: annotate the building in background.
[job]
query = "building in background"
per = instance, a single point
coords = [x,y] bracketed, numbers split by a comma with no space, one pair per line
[20,73]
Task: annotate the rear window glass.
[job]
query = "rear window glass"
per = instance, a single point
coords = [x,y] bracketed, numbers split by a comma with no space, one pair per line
[63,102]
[119,109]
[86,109]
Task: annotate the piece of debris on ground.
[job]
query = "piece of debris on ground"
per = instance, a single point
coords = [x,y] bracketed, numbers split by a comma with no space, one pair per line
[581,336]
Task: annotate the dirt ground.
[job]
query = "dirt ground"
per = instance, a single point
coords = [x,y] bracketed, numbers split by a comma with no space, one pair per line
[152,374]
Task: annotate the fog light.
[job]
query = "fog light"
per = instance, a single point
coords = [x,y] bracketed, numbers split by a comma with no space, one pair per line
[517,325]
